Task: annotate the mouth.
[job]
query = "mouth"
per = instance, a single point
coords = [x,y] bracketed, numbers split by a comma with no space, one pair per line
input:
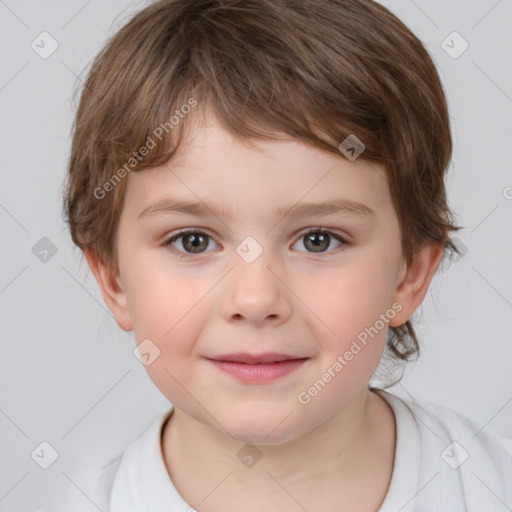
[267,358]
[258,367]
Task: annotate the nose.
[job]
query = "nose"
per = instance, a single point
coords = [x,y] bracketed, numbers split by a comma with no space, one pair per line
[255,293]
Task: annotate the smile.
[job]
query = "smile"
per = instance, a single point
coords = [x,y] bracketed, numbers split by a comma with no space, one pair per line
[258,371]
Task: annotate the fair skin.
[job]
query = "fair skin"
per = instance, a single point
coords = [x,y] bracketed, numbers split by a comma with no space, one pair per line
[334,453]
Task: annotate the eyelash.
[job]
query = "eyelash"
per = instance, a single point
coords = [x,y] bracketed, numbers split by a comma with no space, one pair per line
[168,242]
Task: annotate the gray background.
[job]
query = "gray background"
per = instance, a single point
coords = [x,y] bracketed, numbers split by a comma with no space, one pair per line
[68,375]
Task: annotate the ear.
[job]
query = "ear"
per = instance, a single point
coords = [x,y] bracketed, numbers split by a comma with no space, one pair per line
[111,289]
[415,280]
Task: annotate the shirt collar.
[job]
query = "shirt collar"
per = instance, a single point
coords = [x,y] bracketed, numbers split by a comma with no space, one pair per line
[142,482]
[403,487]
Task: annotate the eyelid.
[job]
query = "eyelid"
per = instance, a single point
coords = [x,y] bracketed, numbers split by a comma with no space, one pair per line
[330,231]
[170,239]
[343,239]
[183,231]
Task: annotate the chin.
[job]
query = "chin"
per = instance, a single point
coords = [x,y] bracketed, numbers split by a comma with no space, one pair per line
[269,430]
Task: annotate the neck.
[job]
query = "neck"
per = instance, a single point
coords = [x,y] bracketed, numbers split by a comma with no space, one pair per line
[337,462]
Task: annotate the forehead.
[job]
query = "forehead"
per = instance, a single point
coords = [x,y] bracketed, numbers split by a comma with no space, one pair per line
[213,166]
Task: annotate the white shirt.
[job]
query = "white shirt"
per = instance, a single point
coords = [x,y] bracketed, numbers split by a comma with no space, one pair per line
[443,462]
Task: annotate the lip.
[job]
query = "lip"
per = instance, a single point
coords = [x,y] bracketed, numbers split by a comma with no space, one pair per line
[267,357]
[258,368]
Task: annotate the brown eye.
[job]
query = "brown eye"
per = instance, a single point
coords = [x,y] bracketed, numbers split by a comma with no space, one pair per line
[190,242]
[196,242]
[318,241]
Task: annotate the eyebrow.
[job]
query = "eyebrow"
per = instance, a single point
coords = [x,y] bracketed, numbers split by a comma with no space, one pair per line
[200,209]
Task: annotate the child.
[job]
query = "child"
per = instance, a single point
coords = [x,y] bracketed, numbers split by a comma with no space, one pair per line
[258,188]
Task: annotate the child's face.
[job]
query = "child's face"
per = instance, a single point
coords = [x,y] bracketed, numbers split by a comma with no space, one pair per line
[289,300]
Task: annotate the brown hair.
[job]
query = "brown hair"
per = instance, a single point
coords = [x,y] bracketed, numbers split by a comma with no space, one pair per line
[305,68]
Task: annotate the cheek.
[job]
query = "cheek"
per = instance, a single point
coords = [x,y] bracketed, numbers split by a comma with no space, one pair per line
[171,317]
[355,308]
[354,296]
[164,307]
